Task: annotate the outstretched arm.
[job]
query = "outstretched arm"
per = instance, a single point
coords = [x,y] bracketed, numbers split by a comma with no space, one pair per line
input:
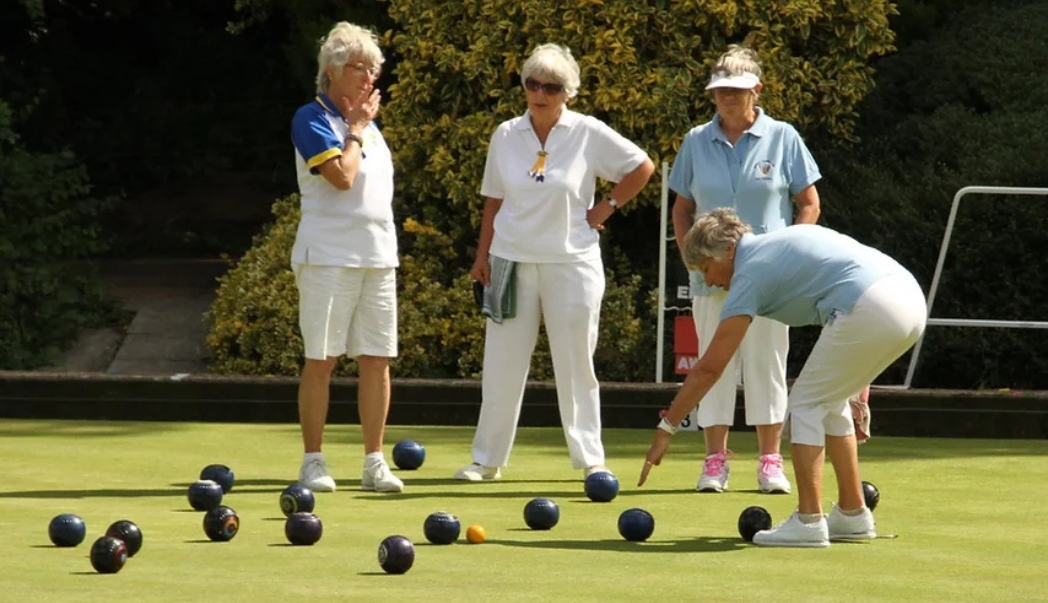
[696,385]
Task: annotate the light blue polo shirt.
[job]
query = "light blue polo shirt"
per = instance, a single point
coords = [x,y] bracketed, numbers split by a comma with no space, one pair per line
[757,177]
[802,274]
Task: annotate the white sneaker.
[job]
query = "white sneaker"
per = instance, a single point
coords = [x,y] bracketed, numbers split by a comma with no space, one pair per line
[770,477]
[715,472]
[378,477]
[314,475]
[795,533]
[847,527]
[475,472]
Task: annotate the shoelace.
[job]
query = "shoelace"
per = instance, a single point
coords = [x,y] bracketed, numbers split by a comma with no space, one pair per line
[714,465]
[771,465]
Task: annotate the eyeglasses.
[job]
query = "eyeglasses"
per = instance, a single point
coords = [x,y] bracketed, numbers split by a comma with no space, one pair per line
[548,88]
[374,72]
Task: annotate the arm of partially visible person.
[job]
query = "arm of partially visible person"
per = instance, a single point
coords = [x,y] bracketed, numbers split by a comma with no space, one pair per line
[626,189]
[696,385]
[808,209]
[481,270]
[683,219]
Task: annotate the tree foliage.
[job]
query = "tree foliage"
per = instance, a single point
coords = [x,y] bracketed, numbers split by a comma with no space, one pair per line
[960,109]
[644,66]
[49,219]
[253,324]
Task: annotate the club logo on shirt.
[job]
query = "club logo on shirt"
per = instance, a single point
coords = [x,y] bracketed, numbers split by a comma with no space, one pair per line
[764,169]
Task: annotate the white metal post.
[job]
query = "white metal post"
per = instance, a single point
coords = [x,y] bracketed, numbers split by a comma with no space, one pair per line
[663,222]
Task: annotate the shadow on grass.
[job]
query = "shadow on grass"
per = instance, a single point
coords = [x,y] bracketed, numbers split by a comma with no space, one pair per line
[702,544]
[248,486]
[31,428]
[574,495]
[103,493]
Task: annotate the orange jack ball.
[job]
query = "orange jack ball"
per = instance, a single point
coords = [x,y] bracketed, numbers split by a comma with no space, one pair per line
[476,534]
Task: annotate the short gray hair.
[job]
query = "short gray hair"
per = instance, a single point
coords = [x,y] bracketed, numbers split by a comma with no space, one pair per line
[711,235]
[738,60]
[554,63]
[345,43]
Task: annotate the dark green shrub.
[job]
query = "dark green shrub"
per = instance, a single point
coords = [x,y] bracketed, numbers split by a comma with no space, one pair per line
[960,109]
[48,219]
[254,320]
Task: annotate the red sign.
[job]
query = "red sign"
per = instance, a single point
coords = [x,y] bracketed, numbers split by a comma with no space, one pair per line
[685,344]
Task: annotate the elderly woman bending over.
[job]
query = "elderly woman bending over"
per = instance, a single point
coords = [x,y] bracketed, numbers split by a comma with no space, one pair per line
[871,310]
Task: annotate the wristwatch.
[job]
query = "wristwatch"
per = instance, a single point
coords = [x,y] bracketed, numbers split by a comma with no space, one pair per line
[613,203]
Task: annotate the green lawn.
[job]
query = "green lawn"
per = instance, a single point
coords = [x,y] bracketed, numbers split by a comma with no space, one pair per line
[967,513]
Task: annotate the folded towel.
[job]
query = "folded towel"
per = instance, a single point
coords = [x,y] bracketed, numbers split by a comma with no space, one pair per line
[499,299]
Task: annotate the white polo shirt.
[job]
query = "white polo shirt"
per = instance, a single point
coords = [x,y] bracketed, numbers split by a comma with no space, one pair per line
[352,228]
[544,221]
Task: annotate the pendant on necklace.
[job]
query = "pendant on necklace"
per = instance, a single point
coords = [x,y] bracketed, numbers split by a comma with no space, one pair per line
[538,171]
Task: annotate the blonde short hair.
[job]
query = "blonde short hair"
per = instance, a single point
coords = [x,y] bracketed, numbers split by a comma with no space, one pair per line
[346,43]
[711,235]
[555,63]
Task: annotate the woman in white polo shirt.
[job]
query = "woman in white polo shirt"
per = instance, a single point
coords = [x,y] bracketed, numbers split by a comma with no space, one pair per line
[759,166]
[540,213]
[345,252]
[871,310]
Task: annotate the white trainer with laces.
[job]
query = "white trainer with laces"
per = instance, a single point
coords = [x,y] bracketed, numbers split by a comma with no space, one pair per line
[378,477]
[314,475]
[795,533]
[475,472]
[771,479]
[715,472]
[848,527]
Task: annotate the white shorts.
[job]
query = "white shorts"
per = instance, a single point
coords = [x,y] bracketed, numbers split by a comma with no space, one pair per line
[759,363]
[351,311]
[852,350]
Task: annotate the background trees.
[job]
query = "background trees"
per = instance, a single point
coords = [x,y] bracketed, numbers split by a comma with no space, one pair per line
[174,114]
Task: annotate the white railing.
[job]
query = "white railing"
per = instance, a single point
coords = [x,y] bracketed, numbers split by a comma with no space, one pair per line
[961,322]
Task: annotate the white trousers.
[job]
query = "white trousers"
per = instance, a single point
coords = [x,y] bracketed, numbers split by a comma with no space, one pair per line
[761,360]
[567,297]
[852,350]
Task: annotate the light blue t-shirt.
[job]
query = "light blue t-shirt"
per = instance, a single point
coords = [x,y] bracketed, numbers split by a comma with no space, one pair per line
[757,177]
[800,275]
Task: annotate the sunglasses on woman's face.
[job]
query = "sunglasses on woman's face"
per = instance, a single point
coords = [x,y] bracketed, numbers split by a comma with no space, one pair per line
[550,89]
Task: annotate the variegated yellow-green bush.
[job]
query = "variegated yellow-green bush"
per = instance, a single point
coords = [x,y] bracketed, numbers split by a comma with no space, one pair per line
[254,320]
[644,65]
[454,75]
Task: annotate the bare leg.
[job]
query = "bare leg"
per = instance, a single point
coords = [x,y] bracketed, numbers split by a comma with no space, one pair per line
[716,438]
[807,467]
[769,438]
[314,392]
[845,459]
[373,400]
